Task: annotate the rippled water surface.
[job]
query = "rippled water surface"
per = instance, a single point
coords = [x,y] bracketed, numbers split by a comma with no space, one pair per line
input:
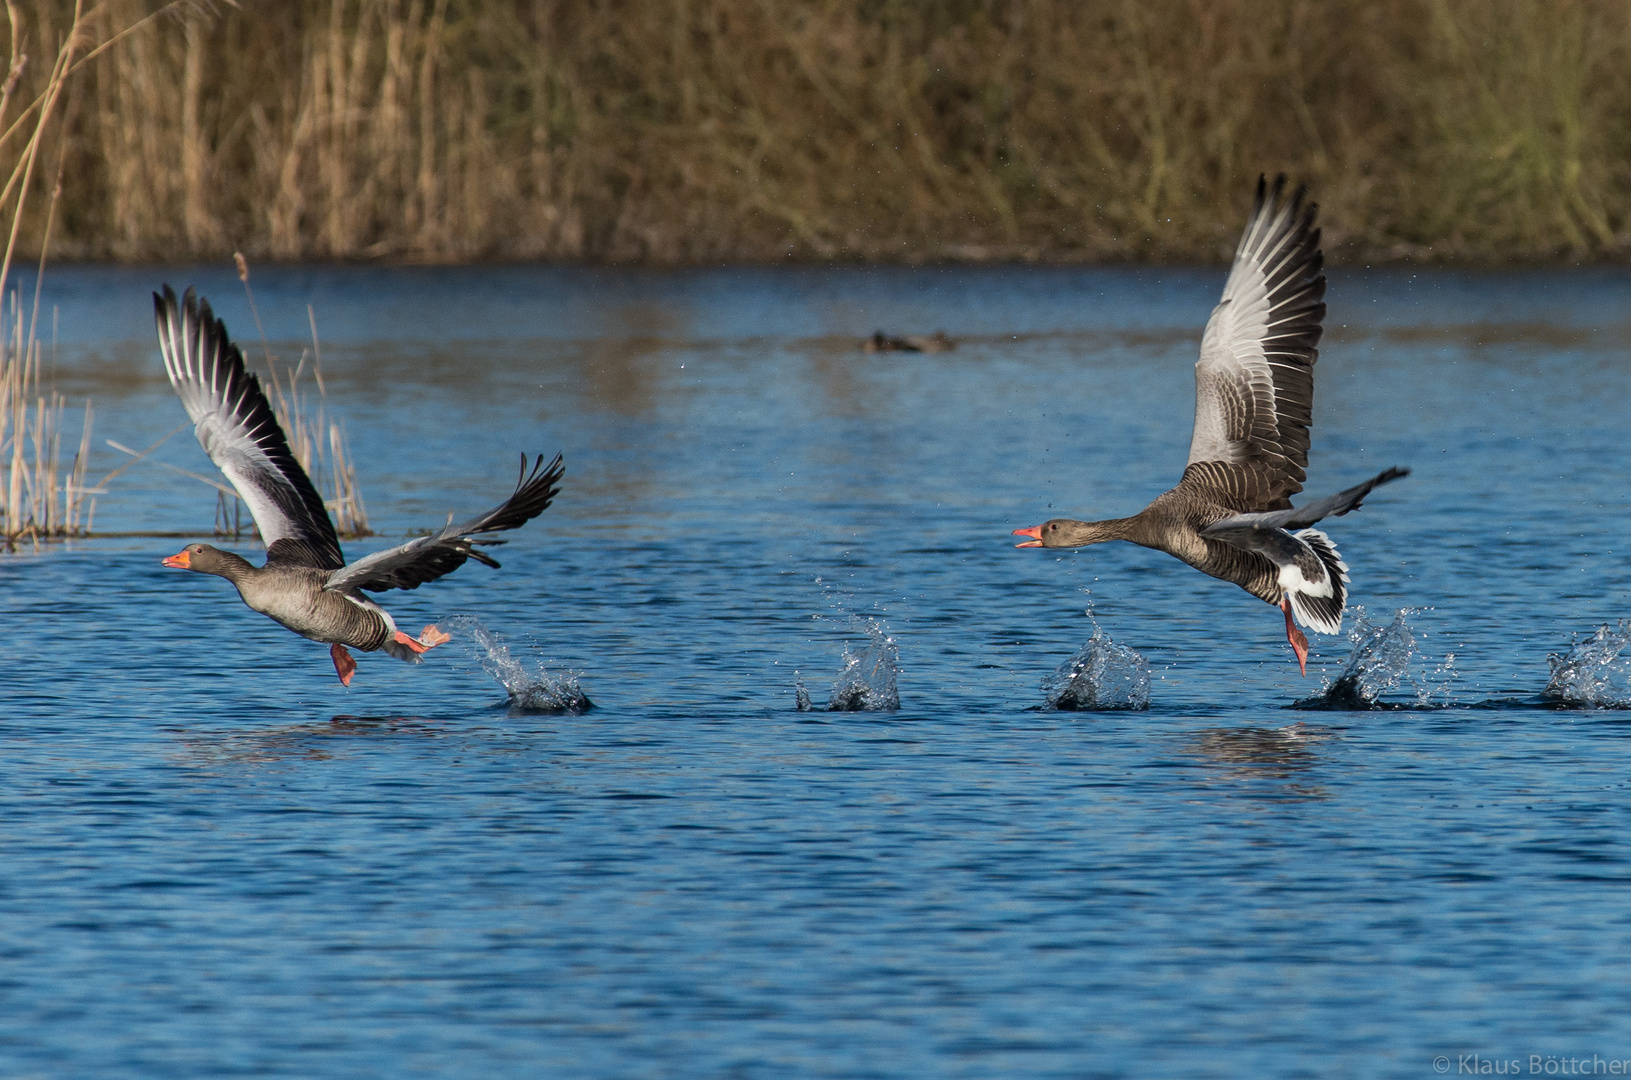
[216,861]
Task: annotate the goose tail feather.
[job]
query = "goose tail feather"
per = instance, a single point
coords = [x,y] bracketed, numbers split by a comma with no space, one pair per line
[1320,607]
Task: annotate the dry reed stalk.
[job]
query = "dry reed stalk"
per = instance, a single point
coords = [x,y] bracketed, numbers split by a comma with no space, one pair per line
[319,444]
[31,506]
[39,501]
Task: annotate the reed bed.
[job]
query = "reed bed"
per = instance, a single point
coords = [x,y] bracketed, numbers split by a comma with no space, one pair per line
[44,498]
[676,131]
[38,501]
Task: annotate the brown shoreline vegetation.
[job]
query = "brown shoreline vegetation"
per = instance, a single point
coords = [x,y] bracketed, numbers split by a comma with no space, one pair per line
[38,500]
[686,131]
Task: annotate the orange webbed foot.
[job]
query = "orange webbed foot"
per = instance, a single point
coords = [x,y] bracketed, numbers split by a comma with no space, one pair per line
[344,665]
[428,639]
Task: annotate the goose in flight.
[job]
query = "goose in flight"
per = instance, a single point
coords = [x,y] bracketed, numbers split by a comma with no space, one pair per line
[1231,515]
[306,584]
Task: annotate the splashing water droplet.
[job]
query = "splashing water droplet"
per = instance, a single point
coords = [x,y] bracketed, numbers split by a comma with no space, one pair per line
[1379,664]
[1592,673]
[531,690]
[866,683]
[1436,683]
[1103,676]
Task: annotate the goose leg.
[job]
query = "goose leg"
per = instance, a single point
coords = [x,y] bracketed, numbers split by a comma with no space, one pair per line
[1299,642]
[344,666]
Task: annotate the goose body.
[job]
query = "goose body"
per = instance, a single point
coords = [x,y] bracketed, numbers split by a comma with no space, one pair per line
[1231,515]
[305,584]
[295,597]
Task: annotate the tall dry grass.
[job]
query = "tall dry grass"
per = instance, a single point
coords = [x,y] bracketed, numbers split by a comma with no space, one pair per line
[39,500]
[691,130]
[318,442]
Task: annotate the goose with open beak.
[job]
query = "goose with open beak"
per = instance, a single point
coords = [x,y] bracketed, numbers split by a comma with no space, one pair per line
[305,583]
[1231,515]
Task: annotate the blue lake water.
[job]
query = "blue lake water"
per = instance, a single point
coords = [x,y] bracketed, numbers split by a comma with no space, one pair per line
[216,861]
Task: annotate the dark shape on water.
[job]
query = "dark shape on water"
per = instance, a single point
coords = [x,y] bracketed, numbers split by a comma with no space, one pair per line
[1253,755]
[1277,751]
[936,342]
[1345,694]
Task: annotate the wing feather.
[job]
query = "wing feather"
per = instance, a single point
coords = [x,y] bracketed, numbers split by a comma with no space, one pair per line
[1254,381]
[238,430]
[426,558]
[1343,502]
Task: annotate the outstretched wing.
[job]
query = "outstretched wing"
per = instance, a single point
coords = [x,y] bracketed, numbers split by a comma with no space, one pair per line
[237,429]
[1241,529]
[1254,382]
[427,558]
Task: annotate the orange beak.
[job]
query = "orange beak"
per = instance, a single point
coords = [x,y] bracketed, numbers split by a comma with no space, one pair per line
[182,560]
[1035,534]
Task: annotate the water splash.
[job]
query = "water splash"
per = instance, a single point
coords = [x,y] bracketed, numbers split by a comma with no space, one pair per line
[866,683]
[1103,676]
[1593,674]
[531,690]
[1379,664]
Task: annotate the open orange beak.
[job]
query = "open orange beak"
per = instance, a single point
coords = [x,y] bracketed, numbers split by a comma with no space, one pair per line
[1034,532]
[182,560]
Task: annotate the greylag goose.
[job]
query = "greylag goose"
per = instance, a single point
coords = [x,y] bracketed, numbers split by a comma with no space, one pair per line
[1231,515]
[306,584]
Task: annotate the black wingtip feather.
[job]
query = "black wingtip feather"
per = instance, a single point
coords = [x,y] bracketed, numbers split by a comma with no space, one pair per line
[1360,492]
[441,554]
[534,492]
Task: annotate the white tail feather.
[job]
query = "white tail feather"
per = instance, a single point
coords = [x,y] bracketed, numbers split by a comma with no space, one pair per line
[1319,607]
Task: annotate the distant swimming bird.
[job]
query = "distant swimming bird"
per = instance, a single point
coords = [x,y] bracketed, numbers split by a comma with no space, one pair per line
[1231,515]
[306,584]
[936,342]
